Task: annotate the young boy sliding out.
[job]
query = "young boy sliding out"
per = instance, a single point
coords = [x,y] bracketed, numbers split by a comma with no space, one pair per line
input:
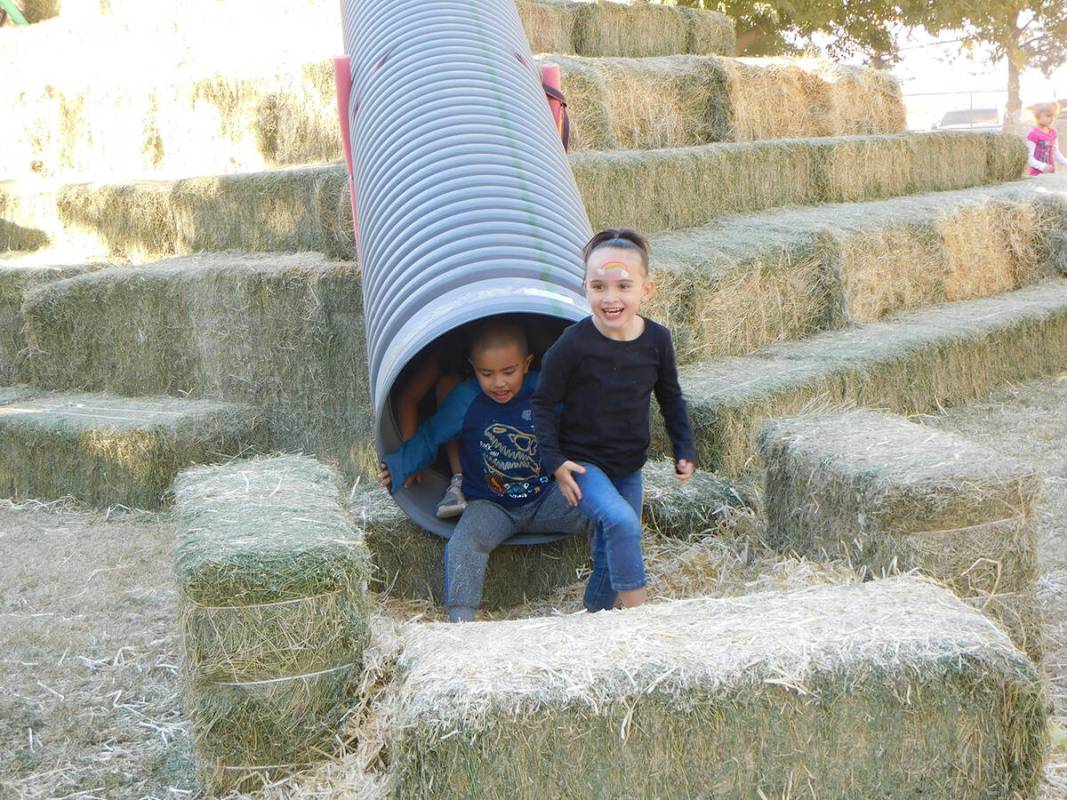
[604,370]
[507,489]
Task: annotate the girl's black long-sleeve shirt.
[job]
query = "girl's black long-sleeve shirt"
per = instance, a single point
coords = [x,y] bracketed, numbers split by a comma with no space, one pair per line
[605,386]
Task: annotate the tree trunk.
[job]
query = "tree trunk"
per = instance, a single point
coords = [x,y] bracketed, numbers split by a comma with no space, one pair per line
[1013,114]
[746,39]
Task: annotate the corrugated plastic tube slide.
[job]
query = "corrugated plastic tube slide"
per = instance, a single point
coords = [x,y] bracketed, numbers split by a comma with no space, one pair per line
[467,204]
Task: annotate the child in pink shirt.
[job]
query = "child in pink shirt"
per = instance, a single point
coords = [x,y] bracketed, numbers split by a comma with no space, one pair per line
[1044,151]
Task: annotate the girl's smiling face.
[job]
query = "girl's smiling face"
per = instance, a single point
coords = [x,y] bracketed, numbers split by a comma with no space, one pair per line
[616,283]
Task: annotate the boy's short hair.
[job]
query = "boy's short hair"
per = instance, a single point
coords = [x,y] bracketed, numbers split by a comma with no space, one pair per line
[497,332]
[1039,108]
[623,238]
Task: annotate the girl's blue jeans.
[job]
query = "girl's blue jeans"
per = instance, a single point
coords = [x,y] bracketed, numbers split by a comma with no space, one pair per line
[614,505]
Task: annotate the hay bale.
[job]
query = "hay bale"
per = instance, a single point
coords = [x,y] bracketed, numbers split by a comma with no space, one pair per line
[409,562]
[742,282]
[548,25]
[16,279]
[916,363]
[887,689]
[703,505]
[272,590]
[282,333]
[668,189]
[108,451]
[889,495]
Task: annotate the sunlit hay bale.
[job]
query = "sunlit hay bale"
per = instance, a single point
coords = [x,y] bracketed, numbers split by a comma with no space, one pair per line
[281,210]
[409,562]
[616,29]
[28,219]
[889,495]
[704,504]
[757,694]
[709,34]
[39,10]
[666,189]
[281,332]
[15,281]
[106,451]
[916,363]
[548,25]
[272,587]
[131,220]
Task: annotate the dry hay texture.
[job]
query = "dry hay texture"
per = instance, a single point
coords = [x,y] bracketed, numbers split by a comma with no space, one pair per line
[915,363]
[743,282]
[409,563]
[107,451]
[887,689]
[283,333]
[891,496]
[272,586]
[678,101]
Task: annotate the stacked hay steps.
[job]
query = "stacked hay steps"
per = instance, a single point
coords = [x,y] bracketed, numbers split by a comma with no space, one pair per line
[889,689]
[286,114]
[408,562]
[743,282]
[889,496]
[914,363]
[272,594]
[283,333]
[655,190]
[107,451]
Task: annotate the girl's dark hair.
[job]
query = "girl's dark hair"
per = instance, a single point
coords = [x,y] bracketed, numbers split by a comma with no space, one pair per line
[623,238]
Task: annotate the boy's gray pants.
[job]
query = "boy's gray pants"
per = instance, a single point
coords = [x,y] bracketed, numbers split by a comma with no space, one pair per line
[484,526]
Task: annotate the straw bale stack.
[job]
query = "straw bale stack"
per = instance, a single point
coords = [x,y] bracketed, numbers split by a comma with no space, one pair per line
[889,689]
[272,588]
[735,285]
[283,333]
[107,451]
[703,505]
[916,363]
[409,562]
[889,495]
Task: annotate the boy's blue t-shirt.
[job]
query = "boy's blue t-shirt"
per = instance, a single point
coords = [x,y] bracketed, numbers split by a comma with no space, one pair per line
[498,448]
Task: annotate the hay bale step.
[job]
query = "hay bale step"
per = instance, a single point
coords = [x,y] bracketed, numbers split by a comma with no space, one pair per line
[272,603]
[890,689]
[888,495]
[408,562]
[272,115]
[914,363]
[308,208]
[107,451]
[743,282]
[283,333]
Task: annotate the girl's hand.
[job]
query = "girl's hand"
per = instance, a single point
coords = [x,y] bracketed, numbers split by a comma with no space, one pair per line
[684,469]
[567,484]
[385,480]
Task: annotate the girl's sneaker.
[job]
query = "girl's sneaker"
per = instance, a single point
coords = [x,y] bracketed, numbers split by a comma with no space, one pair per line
[453,503]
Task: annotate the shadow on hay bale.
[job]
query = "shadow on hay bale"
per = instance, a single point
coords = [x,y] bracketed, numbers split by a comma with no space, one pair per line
[891,496]
[272,582]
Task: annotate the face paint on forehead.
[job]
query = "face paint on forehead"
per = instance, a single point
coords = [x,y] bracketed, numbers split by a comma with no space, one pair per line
[613,269]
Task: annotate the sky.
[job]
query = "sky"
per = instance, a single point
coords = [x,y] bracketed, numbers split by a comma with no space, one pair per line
[936,64]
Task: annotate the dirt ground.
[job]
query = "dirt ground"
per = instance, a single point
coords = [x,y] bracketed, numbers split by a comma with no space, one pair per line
[89,686]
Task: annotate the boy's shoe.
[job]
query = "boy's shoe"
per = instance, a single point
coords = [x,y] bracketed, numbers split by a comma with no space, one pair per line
[453,503]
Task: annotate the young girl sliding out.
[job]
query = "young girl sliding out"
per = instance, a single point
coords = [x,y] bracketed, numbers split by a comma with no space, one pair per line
[604,370]
[1042,148]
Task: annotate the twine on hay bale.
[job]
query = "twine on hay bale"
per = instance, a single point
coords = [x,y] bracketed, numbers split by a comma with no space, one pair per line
[891,496]
[886,689]
[272,588]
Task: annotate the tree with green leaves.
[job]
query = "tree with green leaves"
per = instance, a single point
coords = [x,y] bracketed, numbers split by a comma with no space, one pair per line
[1025,33]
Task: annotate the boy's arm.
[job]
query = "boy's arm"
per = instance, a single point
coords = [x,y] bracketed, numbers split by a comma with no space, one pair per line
[420,450]
[672,404]
[551,385]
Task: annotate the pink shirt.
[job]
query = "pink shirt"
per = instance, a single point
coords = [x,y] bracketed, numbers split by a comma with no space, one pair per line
[1044,148]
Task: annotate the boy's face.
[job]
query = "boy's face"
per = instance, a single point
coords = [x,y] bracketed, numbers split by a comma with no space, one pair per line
[501,370]
[615,286]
